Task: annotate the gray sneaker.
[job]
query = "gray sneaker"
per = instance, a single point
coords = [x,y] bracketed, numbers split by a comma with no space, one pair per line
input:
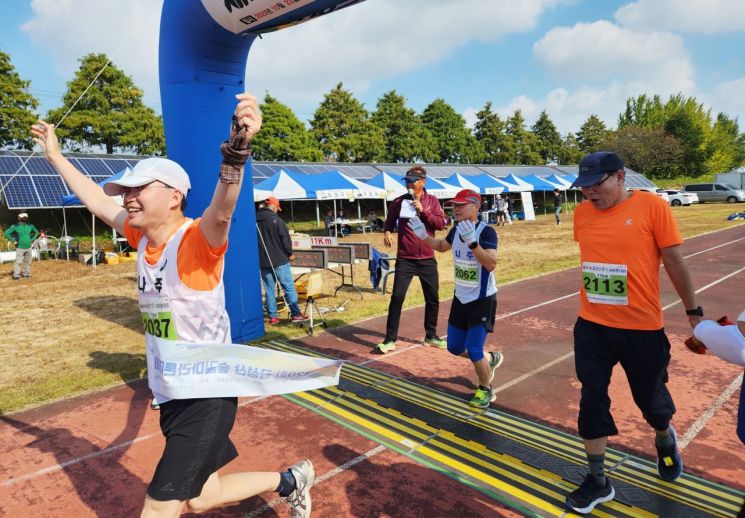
[299,499]
[495,360]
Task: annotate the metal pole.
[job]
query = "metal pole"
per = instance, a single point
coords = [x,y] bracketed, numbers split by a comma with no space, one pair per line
[93,217]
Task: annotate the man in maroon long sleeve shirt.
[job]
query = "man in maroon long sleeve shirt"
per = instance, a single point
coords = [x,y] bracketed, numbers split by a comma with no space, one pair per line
[414,257]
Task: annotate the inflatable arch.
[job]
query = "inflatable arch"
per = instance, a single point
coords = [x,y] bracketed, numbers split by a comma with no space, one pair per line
[203,50]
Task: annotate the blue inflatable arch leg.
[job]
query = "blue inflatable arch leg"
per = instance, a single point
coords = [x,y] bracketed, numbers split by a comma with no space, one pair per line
[202,68]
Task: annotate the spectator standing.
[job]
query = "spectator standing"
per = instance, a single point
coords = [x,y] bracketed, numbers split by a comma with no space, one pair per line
[23,234]
[501,207]
[329,221]
[557,206]
[622,238]
[508,206]
[414,257]
[275,254]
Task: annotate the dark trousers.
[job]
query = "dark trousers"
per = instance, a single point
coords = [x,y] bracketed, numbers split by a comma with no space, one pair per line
[644,356]
[426,270]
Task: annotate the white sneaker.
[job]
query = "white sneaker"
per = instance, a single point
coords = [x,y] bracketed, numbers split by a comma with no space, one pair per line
[495,360]
[299,499]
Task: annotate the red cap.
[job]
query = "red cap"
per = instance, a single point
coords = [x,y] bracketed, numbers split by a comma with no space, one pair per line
[272,201]
[467,196]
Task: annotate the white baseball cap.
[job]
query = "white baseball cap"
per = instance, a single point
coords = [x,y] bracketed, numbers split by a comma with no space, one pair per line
[147,171]
[23,215]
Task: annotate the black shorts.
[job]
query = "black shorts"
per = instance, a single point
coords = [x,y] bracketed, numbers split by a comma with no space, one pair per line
[197,445]
[474,313]
[644,357]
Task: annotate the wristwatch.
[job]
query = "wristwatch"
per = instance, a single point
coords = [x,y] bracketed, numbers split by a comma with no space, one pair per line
[473,245]
[698,312]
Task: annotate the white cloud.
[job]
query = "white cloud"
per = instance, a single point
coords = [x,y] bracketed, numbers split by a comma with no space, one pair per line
[125,30]
[728,97]
[373,40]
[377,40]
[700,16]
[602,51]
[608,64]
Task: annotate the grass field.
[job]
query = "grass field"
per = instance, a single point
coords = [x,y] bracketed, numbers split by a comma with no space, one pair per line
[71,329]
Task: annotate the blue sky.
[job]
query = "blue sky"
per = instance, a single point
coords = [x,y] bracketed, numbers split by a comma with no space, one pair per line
[569,57]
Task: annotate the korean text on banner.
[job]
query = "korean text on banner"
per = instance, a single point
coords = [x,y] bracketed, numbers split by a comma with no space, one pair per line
[181,370]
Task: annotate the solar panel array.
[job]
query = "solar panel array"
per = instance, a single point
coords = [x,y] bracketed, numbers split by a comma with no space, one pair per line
[28,182]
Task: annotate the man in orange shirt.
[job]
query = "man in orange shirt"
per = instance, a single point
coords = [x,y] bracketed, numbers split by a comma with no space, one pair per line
[622,237]
[181,296]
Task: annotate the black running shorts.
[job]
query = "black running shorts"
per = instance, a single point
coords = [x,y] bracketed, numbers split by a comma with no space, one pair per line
[474,313]
[197,445]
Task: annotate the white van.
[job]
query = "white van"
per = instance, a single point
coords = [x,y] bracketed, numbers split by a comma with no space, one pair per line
[716,192]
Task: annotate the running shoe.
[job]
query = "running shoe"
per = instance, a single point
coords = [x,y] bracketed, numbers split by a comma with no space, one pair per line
[273,321]
[435,341]
[584,499]
[300,317]
[299,499]
[495,360]
[385,347]
[154,405]
[482,398]
[669,461]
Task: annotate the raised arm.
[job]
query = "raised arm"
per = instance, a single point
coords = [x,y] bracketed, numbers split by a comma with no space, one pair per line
[215,222]
[90,193]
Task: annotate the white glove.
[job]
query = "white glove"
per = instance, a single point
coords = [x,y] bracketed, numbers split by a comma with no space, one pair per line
[417,227]
[467,231]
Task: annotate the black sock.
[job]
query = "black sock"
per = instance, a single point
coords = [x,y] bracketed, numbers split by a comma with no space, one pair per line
[664,441]
[287,483]
[597,467]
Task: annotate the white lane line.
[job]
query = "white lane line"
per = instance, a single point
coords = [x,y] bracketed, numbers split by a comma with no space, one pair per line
[58,467]
[714,247]
[714,283]
[63,465]
[326,476]
[527,375]
[702,421]
[501,317]
[388,355]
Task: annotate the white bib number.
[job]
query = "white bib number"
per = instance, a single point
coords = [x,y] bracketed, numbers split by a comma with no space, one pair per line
[606,283]
[466,273]
[157,317]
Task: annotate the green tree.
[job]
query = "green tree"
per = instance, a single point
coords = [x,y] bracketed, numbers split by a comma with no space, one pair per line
[453,141]
[650,151]
[16,107]
[489,132]
[343,129]
[643,111]
[406,139]
[110,115]
[683,118]
[591,134]
[525,143]
[724,146]
[549,140]
[570,153]
[283,137]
